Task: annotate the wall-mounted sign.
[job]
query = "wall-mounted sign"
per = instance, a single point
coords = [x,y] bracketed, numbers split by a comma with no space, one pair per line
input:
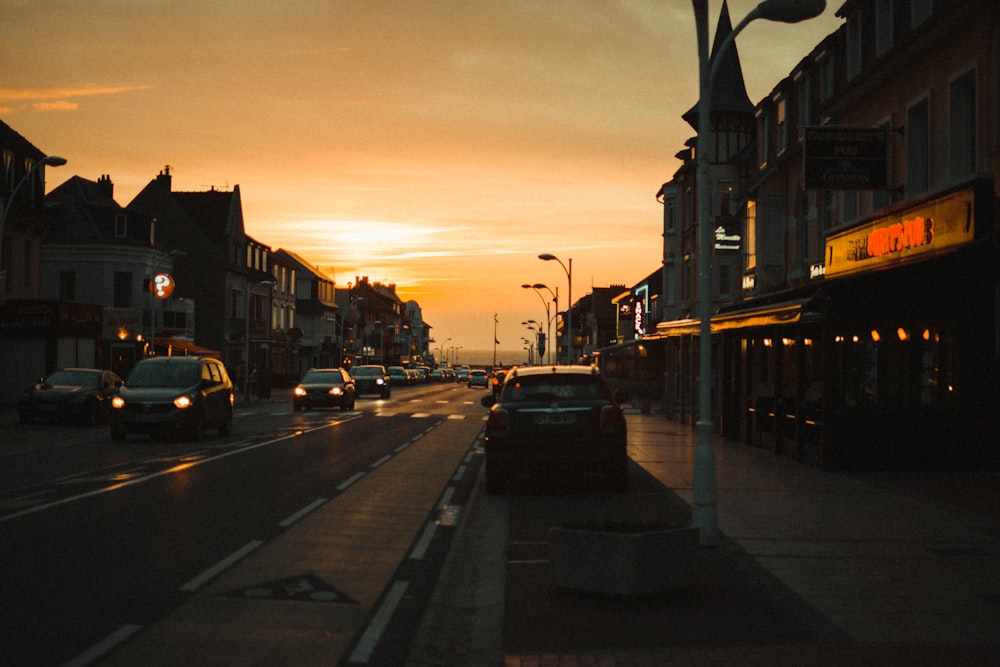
[162,285]
[846,158]
[728,235]
[911,234]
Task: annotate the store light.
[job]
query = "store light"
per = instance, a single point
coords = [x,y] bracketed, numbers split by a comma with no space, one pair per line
[876,337]
[902,333]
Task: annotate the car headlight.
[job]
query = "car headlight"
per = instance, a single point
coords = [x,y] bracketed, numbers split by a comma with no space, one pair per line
[300,391]
[118,402]
[336,391]
[380,381]
[183,402]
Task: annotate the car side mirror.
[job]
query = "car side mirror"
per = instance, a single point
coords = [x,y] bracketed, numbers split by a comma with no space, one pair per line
[488,401]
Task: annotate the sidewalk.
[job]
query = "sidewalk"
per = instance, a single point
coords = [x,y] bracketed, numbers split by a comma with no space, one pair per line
[872,569]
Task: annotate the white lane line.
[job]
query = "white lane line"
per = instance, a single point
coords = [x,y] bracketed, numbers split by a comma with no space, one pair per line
[104,646]
[350,481]
[382,460]
[459,474]
[221,566]
[457,417]
[402,447]
[420,550]
[302,512]
[362,653]
[446,496]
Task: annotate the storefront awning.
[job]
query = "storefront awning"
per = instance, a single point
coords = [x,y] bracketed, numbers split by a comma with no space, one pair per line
[180,346]
[784,312]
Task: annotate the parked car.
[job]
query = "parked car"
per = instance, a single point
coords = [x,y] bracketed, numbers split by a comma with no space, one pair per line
[78,394]
[324,388]
[412,376]
[478,378]
[437,375]
[174,396]
[372,379]
[555,419]
[398,376]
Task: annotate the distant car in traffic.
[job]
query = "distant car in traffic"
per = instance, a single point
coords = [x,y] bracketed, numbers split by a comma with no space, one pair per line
[77,394]
[496,382]
[372,379]
[324,388]
[478,378]
[174,396]
[555,420]
[462,374]
[398,376]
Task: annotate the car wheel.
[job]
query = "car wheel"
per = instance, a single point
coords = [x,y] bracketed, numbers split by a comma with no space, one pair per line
[118,433]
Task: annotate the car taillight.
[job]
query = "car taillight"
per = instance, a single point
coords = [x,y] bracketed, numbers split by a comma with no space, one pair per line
[499,421]
[611,417]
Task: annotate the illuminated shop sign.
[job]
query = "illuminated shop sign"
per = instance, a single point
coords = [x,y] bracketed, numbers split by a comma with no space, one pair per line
[728,235]
[909,235]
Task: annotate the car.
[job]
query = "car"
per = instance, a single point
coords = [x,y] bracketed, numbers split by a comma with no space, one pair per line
[78,394]
[437,375]
[372,379]
[398,376]
[425,373]
[412,376]
[174,396]
[324,388]
[448,374]
[496,382]
[462,374]
[478,378]
[555,420]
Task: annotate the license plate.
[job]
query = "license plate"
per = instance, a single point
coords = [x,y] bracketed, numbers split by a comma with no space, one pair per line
[555,418]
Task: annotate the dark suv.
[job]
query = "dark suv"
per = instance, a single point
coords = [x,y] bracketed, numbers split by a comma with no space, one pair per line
[174,396]
[371,379]
[555,419]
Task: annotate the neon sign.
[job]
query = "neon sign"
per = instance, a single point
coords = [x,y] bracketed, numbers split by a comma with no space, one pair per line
[163,285]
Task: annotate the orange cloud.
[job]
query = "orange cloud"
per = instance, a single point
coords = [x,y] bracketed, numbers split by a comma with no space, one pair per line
[61,105]
[31,94]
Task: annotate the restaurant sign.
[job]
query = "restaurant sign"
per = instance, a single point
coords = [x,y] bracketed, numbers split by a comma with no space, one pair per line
[908,235]
[846,158]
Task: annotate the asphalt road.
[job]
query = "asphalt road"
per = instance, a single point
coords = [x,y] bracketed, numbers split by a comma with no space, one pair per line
[97,536]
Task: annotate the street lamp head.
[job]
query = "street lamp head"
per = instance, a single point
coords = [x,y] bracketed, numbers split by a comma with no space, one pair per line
[547,257]
[539,286]
[790,11]
[53,161]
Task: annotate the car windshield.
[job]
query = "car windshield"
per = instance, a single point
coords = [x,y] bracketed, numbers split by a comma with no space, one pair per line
[163,375]
[549,387]
[367,371]
[73,379]
[321,377]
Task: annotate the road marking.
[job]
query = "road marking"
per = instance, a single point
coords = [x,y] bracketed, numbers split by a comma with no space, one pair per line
[302,512]
[382,460]
[221,566]
[350,481]
[104,646]
[459,474]
[420,550]
[446,496]
[362,653]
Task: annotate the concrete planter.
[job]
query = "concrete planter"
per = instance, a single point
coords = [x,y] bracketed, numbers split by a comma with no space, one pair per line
[622,560]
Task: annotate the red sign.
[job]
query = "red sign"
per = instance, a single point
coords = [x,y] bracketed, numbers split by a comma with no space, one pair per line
[163,285]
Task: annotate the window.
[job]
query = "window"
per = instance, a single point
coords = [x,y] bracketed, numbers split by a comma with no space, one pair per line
[29,260]
[851,208]
[917,148]
[805,105]
[725,197]
[921,11]
[883,26]
[827,76]
[122,297]
[67,286]
[782,122]
[751,235]
[962,125]
[853,46]
[669,213]
[121,226]
[763,136]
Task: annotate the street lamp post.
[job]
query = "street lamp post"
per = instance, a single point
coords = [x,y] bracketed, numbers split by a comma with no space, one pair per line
[569,301]
[704,511]
[441,353]
[548,317]
[246,378]
[50,160]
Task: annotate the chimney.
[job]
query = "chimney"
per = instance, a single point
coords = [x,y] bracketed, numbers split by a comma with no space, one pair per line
[164,177]
[105,188]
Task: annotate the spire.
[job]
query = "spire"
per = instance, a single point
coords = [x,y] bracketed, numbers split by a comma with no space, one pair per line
[729,91]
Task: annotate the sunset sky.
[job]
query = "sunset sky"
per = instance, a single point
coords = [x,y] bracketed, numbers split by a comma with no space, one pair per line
[440,145]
